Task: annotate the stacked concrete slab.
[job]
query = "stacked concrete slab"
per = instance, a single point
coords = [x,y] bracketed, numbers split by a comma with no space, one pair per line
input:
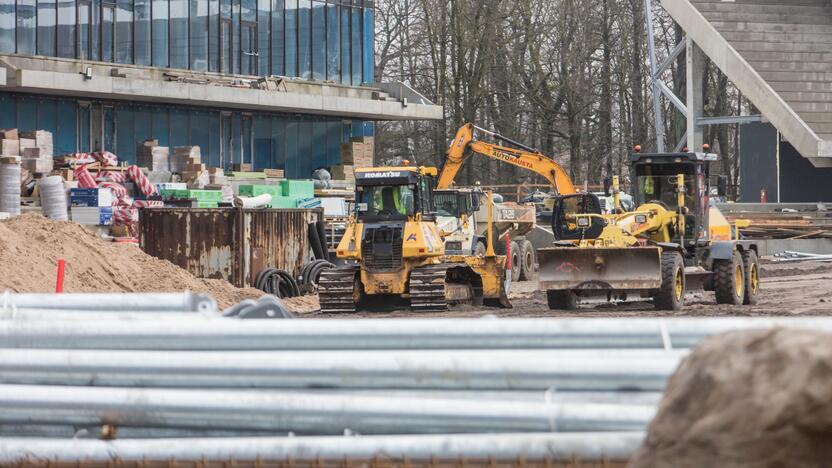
[779,54]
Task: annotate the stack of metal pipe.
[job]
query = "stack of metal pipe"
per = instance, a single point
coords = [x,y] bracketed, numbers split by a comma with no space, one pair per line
[166,382]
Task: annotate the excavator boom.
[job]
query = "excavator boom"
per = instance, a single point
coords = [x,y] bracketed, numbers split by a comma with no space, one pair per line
[524,156]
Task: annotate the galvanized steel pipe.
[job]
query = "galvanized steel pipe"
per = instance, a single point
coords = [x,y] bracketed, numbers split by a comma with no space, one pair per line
[645,370]
[183,302]
[592,446]
[311,334]
[306,414]
[132,316]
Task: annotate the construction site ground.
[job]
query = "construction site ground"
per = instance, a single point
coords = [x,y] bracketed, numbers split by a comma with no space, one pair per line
[788,289]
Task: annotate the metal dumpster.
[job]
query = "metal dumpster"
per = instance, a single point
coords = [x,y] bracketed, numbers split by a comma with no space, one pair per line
[228,243]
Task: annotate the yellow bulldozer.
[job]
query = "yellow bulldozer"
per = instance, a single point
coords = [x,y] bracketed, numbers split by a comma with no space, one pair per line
[674,241]
[394,249]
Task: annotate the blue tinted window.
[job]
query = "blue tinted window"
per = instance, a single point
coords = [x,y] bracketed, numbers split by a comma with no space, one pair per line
[179,34]
[179,127]
[292,156]
[66,28]
[291,38]
[199,35]
[213,35]
[199,131]
[346,76]
[225,34]
[27,113]
[278,143]
[262,142]
[263,21]
[318,146]
[304,39]
[318,40]
[48,115]
[83,30]
[64,139]
[124,31]
[211,155]
[277,41]
[235,36]
[159,38]
[7,29]
[306,150]
[109,128]
[368,46]
[161,125]
[125,140]
[333,43]
[84,128]
[333,143]
[108,17]
[355,41]
[142,126]
[248,37]
[141,16]
[26,27]
[95,29]
[47,22]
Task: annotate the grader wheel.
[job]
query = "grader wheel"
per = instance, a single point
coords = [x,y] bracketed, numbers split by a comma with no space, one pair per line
[671,295]
[729,280]
[752,276]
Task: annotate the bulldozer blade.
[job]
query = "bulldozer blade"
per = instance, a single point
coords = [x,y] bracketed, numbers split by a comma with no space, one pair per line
[574,268]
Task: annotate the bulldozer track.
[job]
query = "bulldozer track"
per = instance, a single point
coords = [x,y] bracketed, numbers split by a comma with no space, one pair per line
[336,289]
[427,288]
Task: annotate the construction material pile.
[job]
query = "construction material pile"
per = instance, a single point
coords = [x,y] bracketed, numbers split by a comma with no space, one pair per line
[747,399]
[30,246]
[403,389]
[782,221]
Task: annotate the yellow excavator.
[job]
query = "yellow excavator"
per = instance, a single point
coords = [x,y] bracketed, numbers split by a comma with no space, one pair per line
[672,242]
[395,250]
[523,156]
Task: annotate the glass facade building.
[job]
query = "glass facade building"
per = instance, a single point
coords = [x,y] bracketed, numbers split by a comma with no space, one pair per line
[319,40]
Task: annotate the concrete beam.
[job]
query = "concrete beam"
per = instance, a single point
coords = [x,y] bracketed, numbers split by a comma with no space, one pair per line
[748,80]
[107,87]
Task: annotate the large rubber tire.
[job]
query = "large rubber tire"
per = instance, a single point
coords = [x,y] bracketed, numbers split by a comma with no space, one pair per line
[729,280]
[752,277]
[671,294]
[479,249]
[561,300]
[526,261]
[516,261]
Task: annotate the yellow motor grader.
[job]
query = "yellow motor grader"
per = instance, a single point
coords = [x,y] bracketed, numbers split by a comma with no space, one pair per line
[674,241]
[394,249]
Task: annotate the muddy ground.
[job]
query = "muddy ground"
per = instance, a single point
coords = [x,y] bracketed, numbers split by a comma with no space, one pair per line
[788,289]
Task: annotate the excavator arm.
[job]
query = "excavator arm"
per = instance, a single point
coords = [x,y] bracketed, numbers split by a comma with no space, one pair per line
[525,157]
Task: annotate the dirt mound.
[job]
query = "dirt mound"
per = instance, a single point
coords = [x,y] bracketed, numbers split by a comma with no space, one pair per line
[747,399]
[30,246]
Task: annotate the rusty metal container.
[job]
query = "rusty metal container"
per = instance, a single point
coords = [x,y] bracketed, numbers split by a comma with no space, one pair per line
[228,243]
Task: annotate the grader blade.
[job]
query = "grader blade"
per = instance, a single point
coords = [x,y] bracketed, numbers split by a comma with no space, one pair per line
[573,268]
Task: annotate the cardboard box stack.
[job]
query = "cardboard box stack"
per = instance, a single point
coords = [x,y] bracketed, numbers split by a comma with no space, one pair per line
[34,148]
[153,156]
[184,157]
[357,153]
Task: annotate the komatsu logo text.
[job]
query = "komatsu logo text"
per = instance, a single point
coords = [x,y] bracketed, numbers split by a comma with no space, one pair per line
[380,175]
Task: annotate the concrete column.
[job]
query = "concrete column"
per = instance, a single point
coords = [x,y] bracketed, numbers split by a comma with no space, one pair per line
[695,100]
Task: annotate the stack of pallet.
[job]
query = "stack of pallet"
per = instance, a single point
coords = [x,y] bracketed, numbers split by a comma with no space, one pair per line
[785,223]
[34,148]
[357,153]
[153,156]
[187,162]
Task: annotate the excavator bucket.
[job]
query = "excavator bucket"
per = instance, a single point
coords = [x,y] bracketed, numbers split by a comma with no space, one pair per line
[574,268]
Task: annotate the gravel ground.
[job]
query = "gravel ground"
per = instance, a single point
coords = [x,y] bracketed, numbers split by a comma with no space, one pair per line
[786,290]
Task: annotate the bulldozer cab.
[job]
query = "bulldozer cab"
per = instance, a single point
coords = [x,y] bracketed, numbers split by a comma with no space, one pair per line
[655,177]
[395,194]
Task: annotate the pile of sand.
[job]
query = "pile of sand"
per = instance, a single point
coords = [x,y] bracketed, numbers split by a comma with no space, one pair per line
[747,399]
[30,246]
